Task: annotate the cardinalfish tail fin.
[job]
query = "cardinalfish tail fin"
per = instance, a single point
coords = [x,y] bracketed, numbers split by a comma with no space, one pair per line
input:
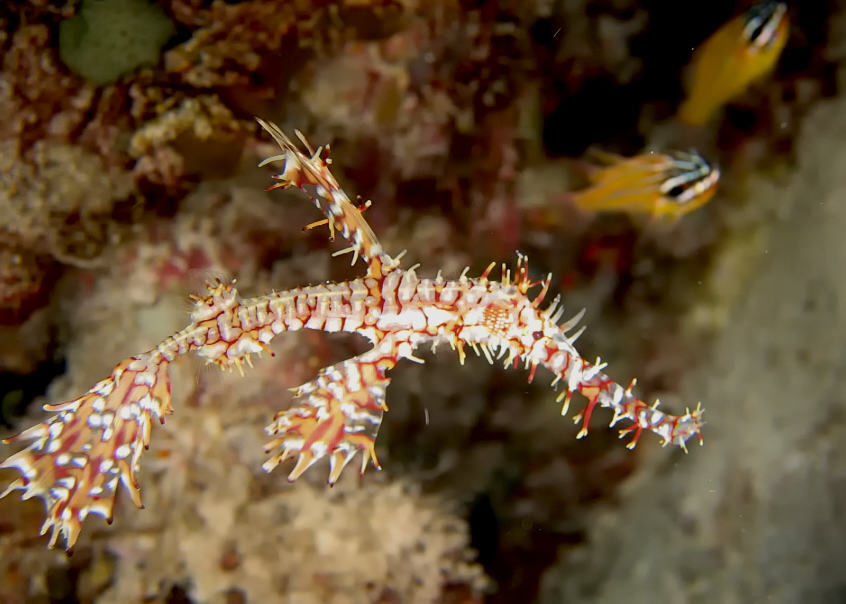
[342,215]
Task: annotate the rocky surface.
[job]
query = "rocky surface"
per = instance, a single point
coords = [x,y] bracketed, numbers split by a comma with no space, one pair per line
[757,513]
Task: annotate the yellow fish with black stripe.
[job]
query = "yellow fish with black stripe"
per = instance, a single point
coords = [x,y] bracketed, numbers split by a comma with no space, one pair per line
[738,54]
[664,185]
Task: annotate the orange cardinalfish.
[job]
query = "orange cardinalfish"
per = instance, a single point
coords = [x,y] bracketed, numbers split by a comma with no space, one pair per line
[668,184]
[738,54]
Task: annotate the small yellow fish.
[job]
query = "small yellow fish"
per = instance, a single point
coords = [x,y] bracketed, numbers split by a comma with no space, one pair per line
[668,184]
[738,54]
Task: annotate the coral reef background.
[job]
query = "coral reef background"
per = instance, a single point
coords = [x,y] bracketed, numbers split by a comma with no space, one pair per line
[129,151]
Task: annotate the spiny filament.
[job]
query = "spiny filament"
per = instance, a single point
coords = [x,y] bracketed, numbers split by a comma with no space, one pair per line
[76,458]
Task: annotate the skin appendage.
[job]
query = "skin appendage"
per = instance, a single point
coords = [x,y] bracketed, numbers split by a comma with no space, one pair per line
[75,460]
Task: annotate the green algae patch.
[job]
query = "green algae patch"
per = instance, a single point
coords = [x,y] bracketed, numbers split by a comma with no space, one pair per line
[109,38]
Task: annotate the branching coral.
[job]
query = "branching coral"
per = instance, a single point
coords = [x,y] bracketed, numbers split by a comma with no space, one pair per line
[231,40]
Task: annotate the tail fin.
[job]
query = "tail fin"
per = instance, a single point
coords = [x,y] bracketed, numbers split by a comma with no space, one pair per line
[79,455]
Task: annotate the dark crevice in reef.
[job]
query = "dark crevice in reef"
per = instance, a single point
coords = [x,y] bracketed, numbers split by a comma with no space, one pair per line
[178,595]
[516,570]
[17,392]
[484,530]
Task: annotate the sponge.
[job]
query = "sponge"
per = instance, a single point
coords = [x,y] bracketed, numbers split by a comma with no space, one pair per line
[109,38]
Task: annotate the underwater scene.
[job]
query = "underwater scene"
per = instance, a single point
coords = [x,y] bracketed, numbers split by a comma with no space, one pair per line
[422,301]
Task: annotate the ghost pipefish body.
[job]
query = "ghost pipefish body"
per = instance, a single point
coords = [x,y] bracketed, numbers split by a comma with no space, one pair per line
[668,184]
[737,55]
[78,458]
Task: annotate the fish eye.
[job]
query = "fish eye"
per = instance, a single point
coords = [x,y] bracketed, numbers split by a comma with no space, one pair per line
[757,30]
[676,191]
[762,22]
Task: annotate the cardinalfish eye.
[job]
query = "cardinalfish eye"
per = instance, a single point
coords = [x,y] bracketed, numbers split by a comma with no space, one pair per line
[689,177]
[761,23]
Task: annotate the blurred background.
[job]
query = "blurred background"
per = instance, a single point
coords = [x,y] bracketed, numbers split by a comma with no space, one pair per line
[129,155]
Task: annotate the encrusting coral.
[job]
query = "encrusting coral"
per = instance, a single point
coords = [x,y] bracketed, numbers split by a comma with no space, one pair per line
[77,458]
[60,184]
[300,543]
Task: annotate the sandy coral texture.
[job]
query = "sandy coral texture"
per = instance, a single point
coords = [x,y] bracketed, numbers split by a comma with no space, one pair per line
[758,511]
